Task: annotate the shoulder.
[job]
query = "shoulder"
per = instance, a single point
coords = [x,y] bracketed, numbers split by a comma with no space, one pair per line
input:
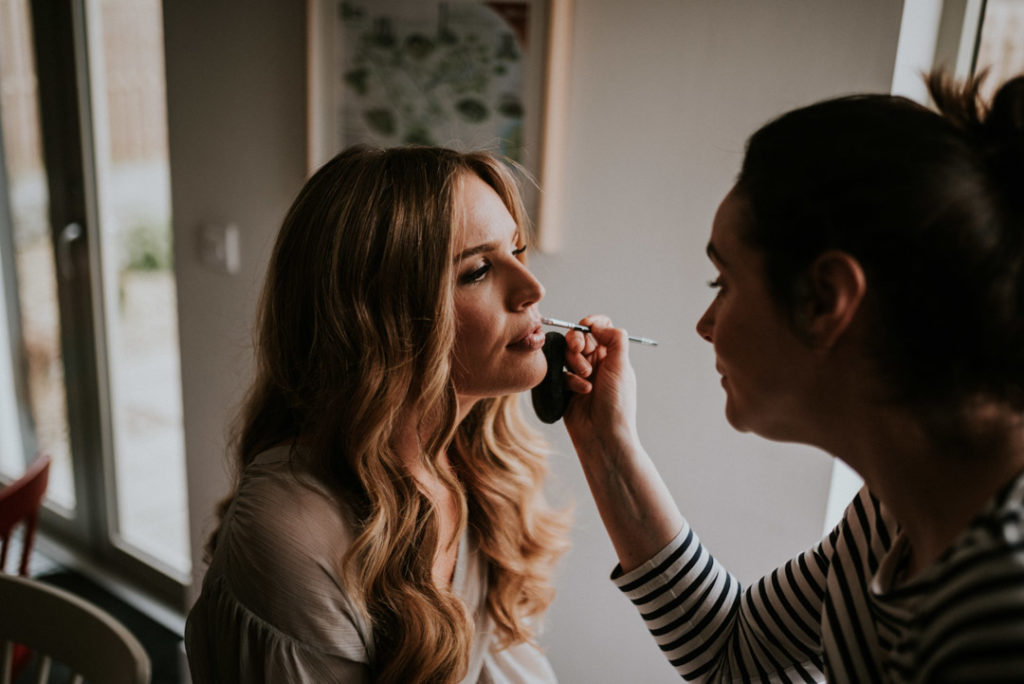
[281,508]
[280,549]
[992,545]
[867,518]
[974,607]
[864,535]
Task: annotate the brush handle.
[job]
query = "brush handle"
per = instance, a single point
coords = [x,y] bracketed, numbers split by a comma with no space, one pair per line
[582,328]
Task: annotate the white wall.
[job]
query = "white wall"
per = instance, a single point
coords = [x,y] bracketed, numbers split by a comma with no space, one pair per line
[236,126]
[664,94]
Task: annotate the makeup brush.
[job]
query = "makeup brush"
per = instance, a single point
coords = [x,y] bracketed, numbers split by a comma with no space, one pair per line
[582,328]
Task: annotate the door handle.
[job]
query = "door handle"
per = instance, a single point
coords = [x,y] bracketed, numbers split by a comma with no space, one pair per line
[69,234]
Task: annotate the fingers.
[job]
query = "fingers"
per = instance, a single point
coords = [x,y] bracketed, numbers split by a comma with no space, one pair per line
[577,369]
[585,350]
[580,342]
[599,320]
[577,385]
[576,341]
[579,364]
[576,352]
[598,372]
[604,333]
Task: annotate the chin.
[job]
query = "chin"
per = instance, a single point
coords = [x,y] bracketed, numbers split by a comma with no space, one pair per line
[765,427]
[539,371]
[524,384]
[523,373]
[734,417]
[513,382]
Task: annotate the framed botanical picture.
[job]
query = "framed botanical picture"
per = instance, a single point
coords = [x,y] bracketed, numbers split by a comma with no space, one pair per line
[465,74]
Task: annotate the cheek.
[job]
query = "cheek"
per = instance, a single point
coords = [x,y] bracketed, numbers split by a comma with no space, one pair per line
[474,337]
[723,331]
[474,325]
[738,343]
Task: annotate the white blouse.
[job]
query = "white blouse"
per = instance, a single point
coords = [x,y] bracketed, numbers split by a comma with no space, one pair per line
[273,609]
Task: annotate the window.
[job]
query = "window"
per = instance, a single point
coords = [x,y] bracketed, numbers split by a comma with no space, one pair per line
[89,362]
[964,36]
[1001,43]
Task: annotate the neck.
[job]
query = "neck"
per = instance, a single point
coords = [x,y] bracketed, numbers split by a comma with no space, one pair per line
[932,484]
[466,405]
[408,441]
[411,434]
[436,482]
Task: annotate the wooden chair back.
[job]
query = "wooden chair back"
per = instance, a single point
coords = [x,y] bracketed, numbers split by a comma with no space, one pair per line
[61,627]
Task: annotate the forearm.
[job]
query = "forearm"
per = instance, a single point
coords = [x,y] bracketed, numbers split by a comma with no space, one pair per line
[636,507]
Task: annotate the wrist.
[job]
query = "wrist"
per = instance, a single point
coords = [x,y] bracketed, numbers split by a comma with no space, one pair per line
[611,447]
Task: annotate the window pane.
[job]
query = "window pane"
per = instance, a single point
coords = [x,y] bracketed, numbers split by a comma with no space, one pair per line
[12,459]
[1001,48]
[35,270]
[129,116]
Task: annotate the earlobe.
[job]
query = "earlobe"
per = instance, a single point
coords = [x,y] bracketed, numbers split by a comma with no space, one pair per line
[837,287]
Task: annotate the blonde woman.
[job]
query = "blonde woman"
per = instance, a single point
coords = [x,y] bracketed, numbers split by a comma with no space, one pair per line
[388,522]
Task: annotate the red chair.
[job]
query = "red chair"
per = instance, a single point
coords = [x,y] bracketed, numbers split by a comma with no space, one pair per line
[19,504]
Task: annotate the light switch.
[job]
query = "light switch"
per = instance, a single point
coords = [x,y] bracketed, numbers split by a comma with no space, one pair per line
[220,248]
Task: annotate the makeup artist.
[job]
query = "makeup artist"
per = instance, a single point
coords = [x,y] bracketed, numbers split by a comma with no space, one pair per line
[870,302]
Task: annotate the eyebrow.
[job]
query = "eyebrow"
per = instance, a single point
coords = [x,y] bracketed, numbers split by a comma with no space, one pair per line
[714,255]
[479,249]
[485,247]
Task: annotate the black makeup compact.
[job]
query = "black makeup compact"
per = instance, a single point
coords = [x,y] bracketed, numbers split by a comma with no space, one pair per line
[551,397]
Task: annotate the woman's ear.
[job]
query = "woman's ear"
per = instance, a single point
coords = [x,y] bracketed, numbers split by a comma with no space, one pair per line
[836,287]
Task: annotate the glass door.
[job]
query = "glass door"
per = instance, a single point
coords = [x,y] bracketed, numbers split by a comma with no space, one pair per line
[129,127]
[89,370]
[28,270]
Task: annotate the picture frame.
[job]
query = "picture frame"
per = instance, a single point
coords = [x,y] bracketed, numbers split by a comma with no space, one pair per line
[466,74]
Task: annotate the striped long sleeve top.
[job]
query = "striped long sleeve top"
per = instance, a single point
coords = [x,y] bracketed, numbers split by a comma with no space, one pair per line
[840,612]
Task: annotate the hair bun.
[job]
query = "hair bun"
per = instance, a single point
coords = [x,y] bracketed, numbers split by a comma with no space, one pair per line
[1003,135]
[1006,115]
[996,132]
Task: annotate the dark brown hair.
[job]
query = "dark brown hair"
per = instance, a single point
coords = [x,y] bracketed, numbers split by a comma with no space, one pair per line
[932,206]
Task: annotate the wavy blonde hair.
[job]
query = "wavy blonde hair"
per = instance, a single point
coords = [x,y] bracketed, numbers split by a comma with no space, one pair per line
[357,323]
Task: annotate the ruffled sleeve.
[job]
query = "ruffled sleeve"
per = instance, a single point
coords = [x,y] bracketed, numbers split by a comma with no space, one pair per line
[273,608]
[227,642]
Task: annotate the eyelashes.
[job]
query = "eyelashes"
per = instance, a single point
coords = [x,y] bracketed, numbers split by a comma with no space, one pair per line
[479,273]
[476,275]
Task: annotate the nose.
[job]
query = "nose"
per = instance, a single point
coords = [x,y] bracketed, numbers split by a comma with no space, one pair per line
[706,323]
[526,290]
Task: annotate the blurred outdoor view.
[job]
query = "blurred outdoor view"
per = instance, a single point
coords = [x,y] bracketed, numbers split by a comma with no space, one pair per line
[135,268]
[1001,48]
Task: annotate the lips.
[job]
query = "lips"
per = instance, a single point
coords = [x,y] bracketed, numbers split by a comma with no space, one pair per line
[532,339]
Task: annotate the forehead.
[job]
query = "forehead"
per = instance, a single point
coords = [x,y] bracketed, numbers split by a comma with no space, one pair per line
[726,230]
[483,216]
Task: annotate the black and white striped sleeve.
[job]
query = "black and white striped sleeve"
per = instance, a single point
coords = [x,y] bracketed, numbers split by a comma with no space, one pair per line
[711,629]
